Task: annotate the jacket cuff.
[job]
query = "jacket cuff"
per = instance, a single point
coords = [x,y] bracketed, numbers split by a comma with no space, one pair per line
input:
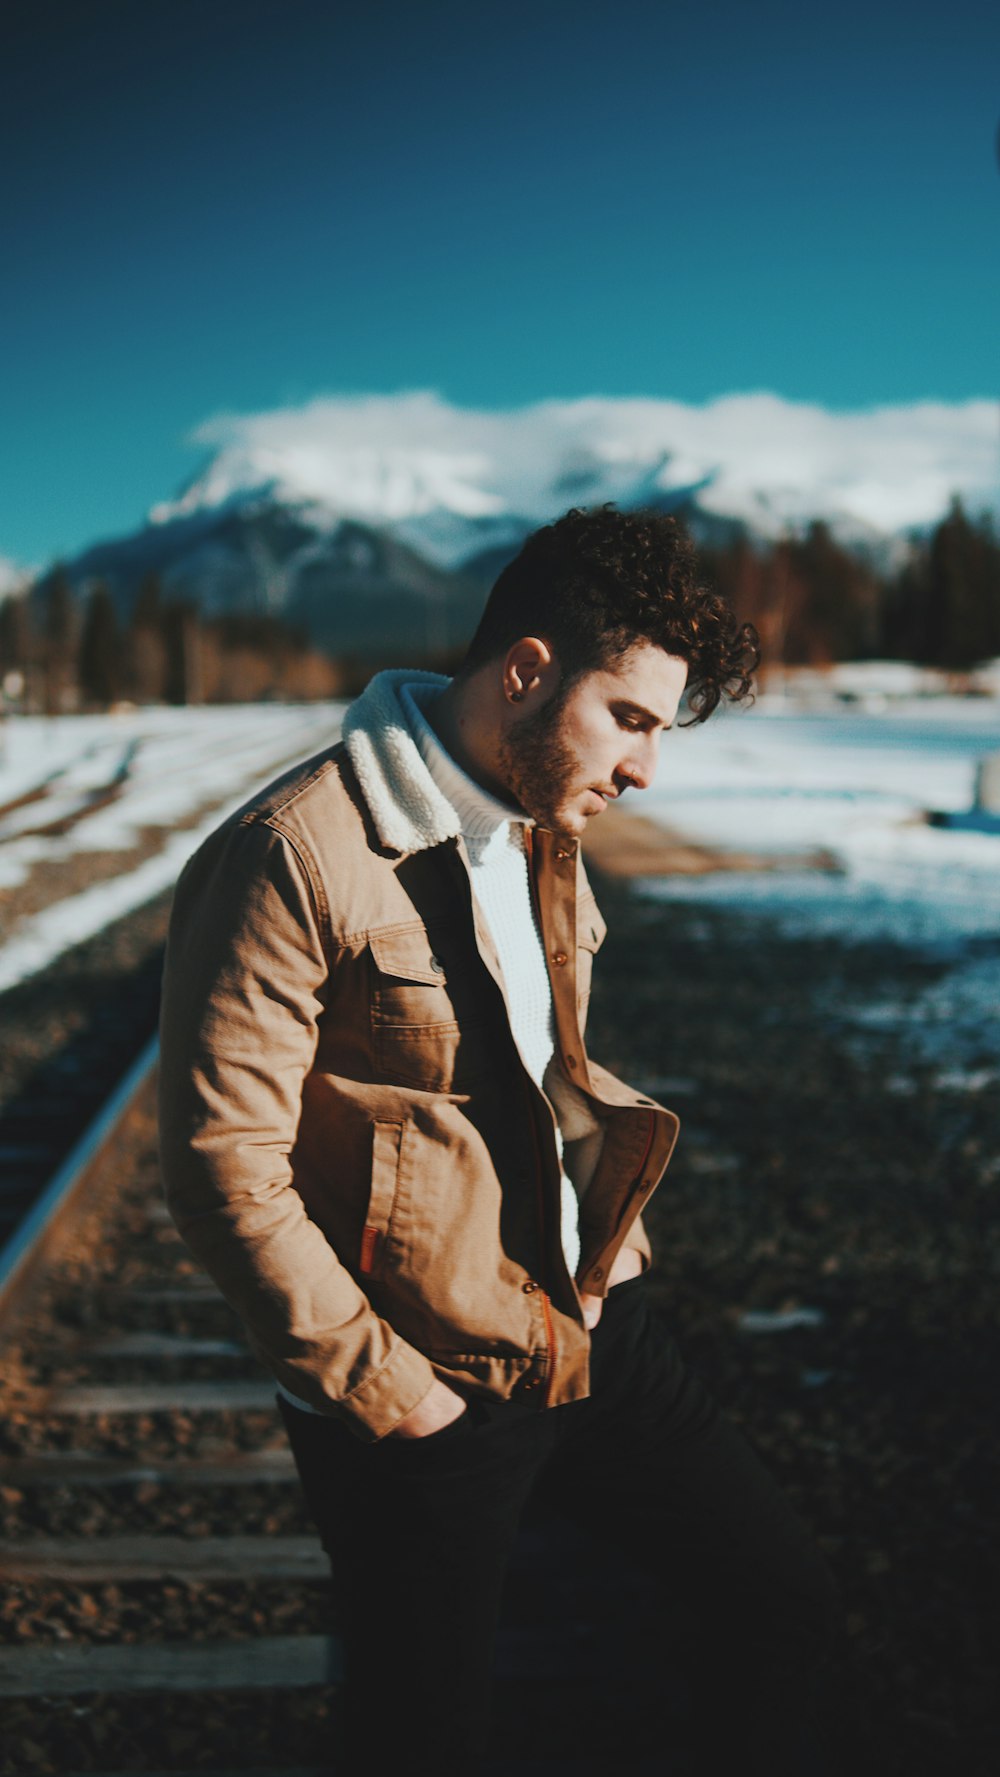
[385,1397]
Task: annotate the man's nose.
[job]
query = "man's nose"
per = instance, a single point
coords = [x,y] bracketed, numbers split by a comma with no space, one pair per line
[640,766]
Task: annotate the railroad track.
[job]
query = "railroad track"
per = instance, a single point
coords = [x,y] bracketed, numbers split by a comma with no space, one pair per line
[71,1022]
[67,1036]
[168,1606]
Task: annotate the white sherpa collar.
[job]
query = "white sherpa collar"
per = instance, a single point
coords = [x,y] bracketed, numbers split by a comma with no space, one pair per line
[409,811]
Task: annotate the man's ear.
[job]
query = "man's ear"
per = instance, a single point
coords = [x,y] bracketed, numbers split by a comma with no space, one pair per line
[530,667]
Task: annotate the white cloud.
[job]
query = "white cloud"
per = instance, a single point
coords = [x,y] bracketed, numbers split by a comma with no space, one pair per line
[416,463]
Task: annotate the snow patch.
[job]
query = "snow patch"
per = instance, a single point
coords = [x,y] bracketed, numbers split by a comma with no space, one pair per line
[760,1320]
[180,762]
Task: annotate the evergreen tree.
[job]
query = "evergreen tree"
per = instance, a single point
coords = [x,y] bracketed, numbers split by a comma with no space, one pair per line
[810,600]
[837,615]
[964,591]
[16,637]
[182,642]
[58,641]
[904,623]
[100,649]
[943,609]
[147,612]
[145,646]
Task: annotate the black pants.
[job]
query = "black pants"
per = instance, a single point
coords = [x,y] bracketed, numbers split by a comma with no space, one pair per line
[420,1533]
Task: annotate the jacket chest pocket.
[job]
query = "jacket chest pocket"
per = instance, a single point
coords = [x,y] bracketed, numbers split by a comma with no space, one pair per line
[427,1028]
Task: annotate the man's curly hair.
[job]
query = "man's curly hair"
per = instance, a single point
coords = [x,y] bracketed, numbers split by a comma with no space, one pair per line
[596,582]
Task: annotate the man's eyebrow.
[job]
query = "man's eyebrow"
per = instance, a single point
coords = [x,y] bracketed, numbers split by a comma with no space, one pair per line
[638,709]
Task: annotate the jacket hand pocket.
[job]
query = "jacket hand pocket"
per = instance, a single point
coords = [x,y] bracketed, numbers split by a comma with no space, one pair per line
[387,1145]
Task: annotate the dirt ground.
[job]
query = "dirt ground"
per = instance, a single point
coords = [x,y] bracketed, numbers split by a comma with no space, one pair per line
[823,1166]
[816,1171]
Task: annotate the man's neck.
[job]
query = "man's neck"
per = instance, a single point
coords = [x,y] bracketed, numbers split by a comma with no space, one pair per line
[462,736]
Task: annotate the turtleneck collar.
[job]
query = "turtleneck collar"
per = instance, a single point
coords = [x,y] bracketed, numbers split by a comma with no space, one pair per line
[479,812]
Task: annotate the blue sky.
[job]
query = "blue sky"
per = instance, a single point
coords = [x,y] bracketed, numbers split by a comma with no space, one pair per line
[221,207]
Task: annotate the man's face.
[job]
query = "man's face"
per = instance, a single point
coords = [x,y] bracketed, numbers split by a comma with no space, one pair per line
[565,761]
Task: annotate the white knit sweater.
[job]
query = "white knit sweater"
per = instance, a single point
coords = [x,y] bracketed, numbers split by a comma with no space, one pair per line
[494,839]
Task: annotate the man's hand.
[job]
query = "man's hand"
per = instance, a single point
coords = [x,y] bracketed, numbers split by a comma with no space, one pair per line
[433,1413]
[628,1264]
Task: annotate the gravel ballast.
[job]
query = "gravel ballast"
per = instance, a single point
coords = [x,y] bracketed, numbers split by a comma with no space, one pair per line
[826,1247]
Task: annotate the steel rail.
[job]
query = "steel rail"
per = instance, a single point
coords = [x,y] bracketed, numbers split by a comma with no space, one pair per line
[34,1239]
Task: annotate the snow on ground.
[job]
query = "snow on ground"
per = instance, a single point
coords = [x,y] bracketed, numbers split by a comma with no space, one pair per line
[175,766]
[854,782]
[857,784]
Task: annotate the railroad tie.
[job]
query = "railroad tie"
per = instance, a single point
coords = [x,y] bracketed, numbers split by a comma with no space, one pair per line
[531,1654]
[84,1399]
[90,1559]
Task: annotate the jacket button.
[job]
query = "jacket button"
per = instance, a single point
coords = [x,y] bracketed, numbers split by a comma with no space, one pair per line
[597,1272]
[562,854]
[437,965]
[529,1288]
[559,957]
[571,1061]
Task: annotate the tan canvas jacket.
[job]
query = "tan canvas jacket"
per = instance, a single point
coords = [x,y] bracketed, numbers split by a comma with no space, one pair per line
[351,1144]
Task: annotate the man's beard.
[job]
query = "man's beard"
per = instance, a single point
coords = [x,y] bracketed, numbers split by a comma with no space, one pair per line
[538,765]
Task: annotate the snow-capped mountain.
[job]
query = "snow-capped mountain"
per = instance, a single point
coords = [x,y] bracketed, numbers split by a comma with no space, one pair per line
[376,523]
[452,482]
[349,587]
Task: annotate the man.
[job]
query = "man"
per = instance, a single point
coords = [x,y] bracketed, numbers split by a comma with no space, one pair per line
[383,1136]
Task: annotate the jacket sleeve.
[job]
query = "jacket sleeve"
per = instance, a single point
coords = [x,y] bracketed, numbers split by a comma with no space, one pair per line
[245,982]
